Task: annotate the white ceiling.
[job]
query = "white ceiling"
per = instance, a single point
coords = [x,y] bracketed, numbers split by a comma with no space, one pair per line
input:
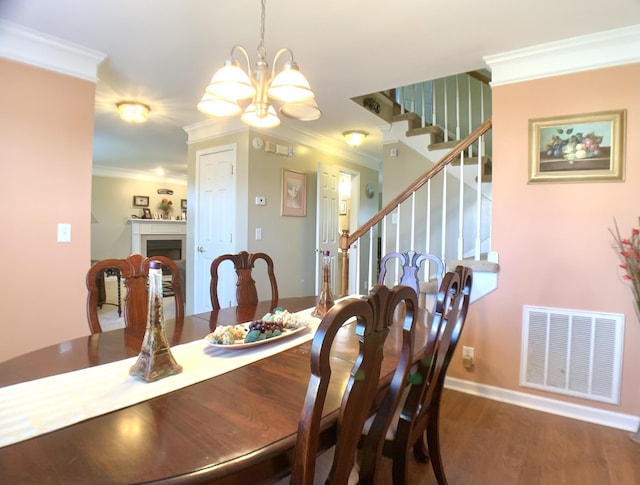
[164,52]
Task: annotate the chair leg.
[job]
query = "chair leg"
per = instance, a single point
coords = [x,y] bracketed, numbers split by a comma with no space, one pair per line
[433,442]
[400,466]
[420,449]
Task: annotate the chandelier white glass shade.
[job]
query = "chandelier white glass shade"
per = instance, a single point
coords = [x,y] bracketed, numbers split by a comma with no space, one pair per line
[231,87]
[133,112]
[355,137]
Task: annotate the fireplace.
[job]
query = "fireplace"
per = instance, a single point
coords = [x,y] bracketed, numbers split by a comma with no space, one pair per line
[150,237]
[171,248]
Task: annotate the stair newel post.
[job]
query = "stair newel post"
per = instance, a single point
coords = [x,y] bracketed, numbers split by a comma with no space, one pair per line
[343,244]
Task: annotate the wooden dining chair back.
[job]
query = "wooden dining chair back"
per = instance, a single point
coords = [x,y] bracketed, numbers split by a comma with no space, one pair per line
[373,317]
[410,263]
[246,292]
[134,272]
[418,420]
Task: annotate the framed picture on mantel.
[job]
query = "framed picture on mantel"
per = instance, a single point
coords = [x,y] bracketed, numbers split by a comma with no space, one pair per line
[140,201]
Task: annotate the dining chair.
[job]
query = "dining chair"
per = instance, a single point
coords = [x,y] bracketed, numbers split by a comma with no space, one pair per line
[416,423]
[411,263]
[246,292]
[373,315]
[134,271]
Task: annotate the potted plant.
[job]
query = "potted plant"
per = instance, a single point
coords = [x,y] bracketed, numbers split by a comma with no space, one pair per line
[166,206]
[629,251]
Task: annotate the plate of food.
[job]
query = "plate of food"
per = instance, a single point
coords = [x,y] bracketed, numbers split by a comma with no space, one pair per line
[273,326]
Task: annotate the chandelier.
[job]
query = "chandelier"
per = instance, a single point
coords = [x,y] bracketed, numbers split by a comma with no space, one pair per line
[231,87]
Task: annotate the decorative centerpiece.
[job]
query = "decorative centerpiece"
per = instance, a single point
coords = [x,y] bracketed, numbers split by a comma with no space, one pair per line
[166,206]
[629,250]
[155,360]
[325,299]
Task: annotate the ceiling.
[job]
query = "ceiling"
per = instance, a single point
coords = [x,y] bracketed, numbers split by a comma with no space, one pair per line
[164,52]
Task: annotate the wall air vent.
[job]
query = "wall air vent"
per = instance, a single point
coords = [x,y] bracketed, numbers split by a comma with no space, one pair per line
[572,352]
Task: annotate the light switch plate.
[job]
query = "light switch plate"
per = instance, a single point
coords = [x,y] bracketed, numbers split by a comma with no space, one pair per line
[64,232]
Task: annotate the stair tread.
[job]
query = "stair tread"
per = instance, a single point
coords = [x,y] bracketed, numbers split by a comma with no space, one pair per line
[424,130]
[413,119]
[475,265]
[443,145]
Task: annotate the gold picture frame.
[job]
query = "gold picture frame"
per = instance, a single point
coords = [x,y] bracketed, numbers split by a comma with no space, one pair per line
[294,193]
[578,148]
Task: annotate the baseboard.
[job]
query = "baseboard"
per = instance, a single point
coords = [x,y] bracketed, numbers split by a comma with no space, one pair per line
[627,422]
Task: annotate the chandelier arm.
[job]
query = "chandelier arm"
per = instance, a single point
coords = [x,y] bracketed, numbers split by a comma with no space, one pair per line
[275,59]
[246,55]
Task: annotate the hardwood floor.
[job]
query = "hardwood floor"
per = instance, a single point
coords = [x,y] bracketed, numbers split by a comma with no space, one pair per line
[489,442]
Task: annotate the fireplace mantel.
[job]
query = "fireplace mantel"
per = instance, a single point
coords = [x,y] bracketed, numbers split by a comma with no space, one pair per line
[143,229]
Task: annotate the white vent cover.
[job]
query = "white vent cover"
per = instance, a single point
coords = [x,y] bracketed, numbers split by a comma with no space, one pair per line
[572,352]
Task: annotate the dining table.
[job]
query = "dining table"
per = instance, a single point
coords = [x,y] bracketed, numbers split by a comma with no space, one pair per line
[237,427]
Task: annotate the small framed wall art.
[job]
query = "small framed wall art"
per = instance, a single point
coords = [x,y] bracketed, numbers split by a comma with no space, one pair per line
[183,204]
[577,148]
[141,201]
[294,193]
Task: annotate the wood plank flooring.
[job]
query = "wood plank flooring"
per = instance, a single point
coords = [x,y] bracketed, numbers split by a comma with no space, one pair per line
[489,442]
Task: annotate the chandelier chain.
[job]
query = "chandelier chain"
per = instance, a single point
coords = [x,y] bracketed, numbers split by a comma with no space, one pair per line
[262,53]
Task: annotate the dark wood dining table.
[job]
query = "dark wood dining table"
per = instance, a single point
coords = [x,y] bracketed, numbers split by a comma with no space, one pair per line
[236,428]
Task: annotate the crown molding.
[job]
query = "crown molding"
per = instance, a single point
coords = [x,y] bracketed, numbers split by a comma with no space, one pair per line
[593,51]
[209,129]
[117,172]
[28,46]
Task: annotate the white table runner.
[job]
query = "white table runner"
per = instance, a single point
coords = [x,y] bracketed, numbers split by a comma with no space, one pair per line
[36,407]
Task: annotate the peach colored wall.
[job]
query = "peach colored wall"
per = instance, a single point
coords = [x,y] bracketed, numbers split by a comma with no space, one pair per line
[46,136]
[553,241]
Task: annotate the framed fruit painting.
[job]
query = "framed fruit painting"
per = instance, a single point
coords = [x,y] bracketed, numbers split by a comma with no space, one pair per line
[577,148]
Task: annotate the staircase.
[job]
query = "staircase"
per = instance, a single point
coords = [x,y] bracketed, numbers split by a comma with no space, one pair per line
[446,210]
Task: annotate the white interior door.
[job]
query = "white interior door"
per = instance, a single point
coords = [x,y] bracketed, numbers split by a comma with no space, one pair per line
[354,217]
[327,229]
[215,223]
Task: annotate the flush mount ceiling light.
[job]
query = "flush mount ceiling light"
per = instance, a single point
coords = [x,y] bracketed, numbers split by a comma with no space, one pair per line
[230,89]
[355,137]
[133,112]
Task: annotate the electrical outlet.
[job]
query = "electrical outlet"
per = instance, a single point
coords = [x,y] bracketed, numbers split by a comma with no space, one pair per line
[467,357]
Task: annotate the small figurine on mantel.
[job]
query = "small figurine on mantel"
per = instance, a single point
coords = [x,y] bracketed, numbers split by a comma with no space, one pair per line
[155,360]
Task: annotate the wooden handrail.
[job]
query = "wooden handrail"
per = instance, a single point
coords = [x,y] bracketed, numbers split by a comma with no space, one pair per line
[419,182]
[480,77]
[345,240]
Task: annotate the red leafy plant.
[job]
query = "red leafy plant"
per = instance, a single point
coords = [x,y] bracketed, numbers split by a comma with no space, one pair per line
[165,205]
[629,251]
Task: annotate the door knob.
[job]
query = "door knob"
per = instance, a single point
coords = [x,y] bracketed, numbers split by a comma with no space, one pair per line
[201,249]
